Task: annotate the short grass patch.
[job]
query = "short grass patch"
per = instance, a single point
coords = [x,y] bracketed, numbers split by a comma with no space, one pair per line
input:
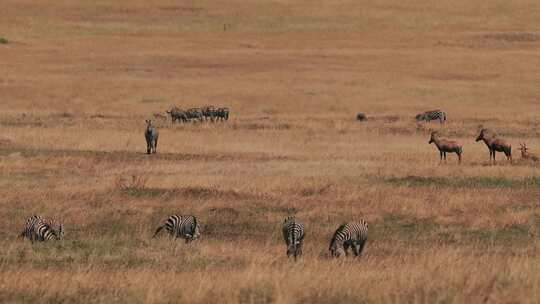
[464,182]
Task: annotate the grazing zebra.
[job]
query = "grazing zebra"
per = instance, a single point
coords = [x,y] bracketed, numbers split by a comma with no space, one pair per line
[209,112]
[432,115]
[222,114]
[348,235]
[185,226]
[195,113]
[293,234]
[177,114]
[151,134]
[33,222]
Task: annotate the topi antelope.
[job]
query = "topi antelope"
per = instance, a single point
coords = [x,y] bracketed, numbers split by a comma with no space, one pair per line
[527,155]
[495,144]
[445,145]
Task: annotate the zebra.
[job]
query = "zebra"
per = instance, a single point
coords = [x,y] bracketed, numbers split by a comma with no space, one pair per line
[353,234]
[177,114]
[34,221]
[195,113]
[432,115]
[209,111]
[151,134]
[44,232]
[293,234]
[222,114]
[186,226]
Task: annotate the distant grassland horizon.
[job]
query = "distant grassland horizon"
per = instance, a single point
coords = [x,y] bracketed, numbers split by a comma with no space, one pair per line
[79,79]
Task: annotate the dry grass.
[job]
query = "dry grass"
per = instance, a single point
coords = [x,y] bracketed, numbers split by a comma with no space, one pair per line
[79,78]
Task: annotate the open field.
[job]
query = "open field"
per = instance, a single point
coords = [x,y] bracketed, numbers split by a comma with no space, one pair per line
[78,80]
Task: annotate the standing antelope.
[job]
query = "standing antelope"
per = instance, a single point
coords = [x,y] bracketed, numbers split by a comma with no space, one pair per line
[495,144]
[445,145]
[527,155]
[151,134]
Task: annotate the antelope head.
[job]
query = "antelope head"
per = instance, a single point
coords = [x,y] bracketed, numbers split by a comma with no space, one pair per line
[434,136]
[481,136]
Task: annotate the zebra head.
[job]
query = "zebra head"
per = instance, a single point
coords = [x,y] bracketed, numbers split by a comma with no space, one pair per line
[60,231]
[292,249]
[335,250]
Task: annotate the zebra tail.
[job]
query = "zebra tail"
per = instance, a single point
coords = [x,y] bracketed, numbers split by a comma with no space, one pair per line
[195,227]
[157,231]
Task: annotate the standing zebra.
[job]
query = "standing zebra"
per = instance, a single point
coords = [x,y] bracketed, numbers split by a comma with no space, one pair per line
[350,234]
[186,226]
[30,230]
[195,113]
[177,114]
[209,112]
[432,115]
[151,134]
[293,234]
[222,114]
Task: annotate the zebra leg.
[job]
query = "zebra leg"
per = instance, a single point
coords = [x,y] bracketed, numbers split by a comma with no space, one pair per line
[346,246]
[361,248]
[444,153]
[155,145]
[441,156]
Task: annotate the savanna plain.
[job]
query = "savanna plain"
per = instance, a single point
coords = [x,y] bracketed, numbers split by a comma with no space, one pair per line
[79,78]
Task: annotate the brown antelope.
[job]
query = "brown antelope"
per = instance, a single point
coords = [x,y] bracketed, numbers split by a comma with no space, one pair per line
[495,144]
[527,155]
[445,145]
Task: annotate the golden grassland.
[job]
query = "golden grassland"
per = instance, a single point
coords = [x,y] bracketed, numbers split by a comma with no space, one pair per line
[78,79]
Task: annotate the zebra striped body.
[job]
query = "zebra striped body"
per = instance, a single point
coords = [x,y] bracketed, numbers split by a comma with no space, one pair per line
[353,234]
[151,135]
[222,114]
[34,223]
[209,112]
[432,115]
[185,226]
[293,234]
[44,232]
[177,114]
[195,113]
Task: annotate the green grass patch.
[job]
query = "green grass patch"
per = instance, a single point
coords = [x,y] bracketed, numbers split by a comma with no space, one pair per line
[464,182]
[3,40]
[402,227]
